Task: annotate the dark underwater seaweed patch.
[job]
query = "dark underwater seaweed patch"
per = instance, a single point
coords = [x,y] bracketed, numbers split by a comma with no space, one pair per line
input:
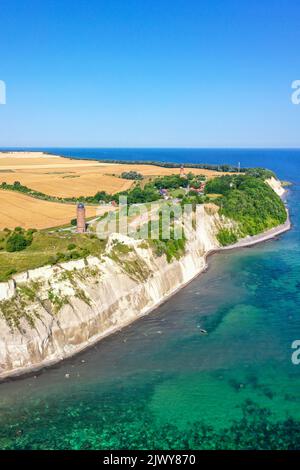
[130,425]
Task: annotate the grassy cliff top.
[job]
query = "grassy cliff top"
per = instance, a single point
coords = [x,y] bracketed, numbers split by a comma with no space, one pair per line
[45,248]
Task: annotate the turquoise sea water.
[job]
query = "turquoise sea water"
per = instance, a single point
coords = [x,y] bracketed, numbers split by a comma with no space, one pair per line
[160,384]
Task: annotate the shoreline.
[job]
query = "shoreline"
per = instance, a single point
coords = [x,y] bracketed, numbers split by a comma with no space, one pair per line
[262,237]
[243,243]
[246,242]
[108,161]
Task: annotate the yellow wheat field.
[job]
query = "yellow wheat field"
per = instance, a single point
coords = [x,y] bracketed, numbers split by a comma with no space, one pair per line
[17,209]
[63,177]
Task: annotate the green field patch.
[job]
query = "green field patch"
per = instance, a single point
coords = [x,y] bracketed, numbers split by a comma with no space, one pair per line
[47,248]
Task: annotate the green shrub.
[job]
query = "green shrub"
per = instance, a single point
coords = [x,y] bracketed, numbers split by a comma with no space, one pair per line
[31,231]
[60,256]
[16,242]
[131,175]
[249,201]
[227,237]
[84,252]
[173,247]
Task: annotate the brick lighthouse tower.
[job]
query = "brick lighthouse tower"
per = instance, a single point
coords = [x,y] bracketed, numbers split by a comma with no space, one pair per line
[81,224]
[182,172]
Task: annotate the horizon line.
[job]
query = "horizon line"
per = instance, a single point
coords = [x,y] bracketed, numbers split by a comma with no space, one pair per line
[145,148]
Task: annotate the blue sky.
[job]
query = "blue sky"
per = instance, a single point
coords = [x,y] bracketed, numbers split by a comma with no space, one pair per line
[150,73]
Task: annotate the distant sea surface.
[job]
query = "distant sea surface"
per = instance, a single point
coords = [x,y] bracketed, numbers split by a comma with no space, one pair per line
[159,383]
[277,159]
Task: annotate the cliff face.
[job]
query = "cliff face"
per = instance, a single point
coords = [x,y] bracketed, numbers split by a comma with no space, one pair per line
[50,313]
[276,186]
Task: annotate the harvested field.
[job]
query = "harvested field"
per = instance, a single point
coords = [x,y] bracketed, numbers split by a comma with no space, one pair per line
[73,183]
[20,210]
[64,177]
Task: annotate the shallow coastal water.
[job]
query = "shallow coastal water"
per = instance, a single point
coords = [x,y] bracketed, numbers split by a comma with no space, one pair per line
[147,386]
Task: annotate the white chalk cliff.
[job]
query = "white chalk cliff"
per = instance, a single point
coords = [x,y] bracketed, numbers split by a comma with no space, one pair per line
[276,186]
[51,313]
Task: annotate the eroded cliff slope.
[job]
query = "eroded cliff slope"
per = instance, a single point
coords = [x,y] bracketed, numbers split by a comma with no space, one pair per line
[51,313]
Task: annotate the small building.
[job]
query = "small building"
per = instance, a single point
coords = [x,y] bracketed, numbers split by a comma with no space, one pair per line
[164,193]
[194,190]
[199,190]
[81,218]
